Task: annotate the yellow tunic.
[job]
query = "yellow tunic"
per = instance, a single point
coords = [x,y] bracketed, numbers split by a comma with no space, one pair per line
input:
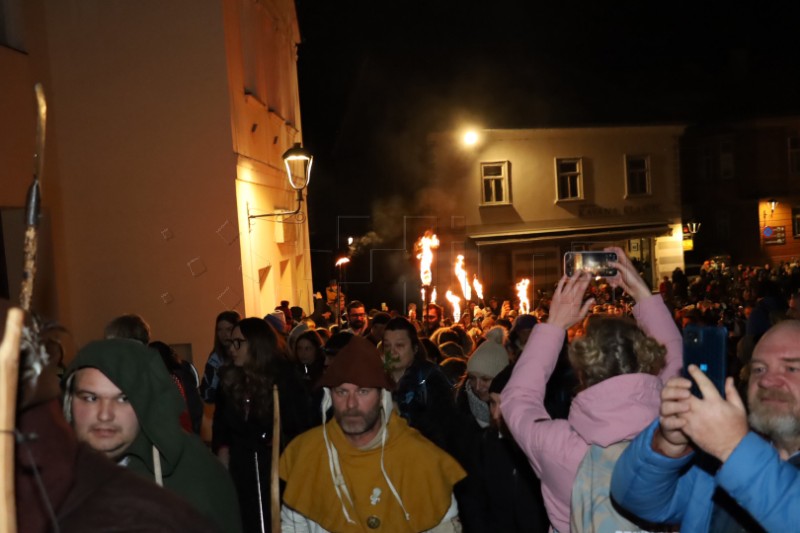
[421,472]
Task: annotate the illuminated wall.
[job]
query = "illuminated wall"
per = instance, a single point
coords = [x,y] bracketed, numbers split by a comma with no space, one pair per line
[154,126]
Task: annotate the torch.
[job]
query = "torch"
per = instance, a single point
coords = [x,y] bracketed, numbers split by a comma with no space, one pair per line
[478,290]
[522,294]
[454,301]
[425,246]
[461,275]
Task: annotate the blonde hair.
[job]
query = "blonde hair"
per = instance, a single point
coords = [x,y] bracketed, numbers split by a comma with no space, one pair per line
[614,346]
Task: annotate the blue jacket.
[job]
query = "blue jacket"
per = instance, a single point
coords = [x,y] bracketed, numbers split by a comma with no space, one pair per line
[678,491]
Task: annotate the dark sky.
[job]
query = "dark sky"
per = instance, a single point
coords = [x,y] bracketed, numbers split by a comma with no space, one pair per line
[376,77]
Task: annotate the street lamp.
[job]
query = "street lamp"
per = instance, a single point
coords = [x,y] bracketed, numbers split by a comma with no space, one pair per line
[298,171]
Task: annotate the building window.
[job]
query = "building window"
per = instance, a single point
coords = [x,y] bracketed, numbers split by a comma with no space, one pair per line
[794,154]
[569,179]
[11,25]
[494,183]
[637,175]
[726,168]
[796,222]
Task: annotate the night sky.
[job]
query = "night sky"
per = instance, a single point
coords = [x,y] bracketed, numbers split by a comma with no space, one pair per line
[376,77]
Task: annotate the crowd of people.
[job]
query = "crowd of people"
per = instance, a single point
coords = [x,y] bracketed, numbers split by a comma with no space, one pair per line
[574,417]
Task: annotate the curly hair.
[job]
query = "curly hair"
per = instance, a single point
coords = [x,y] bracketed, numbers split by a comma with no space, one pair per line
[253,381]
[614,346]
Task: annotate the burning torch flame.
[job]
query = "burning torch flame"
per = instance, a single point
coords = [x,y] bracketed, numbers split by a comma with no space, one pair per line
[433,296]
[342,261]
[426,244]
[461,274]
[454,300]
[478,287]
[522,294]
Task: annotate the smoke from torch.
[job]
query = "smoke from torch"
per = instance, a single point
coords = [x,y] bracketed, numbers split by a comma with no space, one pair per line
[522,294]
[454,301]
[461,274]
[478,287]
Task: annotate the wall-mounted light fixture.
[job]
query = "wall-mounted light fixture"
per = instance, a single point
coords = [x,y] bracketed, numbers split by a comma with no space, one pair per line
[693,227]
[298,171]
[773,203]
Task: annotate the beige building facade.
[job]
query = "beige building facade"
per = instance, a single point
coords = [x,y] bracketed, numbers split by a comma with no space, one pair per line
[527,196]
[166,125]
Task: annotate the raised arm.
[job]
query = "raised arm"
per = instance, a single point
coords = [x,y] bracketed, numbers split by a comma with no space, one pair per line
[522,401]
[650,312]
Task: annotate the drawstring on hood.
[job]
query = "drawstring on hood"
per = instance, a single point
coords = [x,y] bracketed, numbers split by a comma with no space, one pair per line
[339,483]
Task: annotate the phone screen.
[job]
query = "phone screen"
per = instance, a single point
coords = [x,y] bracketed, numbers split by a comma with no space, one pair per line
[706,347]
[596,263]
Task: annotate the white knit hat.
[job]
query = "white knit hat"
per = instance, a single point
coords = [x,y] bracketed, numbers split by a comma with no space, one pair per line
[489,359]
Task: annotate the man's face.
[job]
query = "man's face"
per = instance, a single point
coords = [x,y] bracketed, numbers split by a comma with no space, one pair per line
[480,385]
[101,414]
[399,346]
[357,317]
[431,318]
[774,387]
[357,410]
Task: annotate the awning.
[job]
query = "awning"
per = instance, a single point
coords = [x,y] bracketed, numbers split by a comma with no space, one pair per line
[616,232]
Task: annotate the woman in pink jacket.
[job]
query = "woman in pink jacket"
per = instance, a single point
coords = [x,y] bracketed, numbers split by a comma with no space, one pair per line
[621,368]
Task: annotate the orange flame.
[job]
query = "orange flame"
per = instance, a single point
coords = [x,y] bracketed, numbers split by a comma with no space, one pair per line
[454,301]
[426,244]
[433,295]
[342,261]
[522,294]
[461,274]
[478,287]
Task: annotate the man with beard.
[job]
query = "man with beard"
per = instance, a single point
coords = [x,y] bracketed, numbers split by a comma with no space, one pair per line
[365,468]
[702,466]
[357,318]
[432,318]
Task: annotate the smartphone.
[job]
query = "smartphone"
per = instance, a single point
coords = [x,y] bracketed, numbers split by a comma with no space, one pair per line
[596,263]
[706,347]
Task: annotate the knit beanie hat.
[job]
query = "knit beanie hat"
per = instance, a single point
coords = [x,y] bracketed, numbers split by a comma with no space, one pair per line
[277,320]
[359,363]
[489,359]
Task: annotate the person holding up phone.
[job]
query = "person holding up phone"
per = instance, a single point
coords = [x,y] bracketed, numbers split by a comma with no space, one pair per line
[705,463]
[621,367]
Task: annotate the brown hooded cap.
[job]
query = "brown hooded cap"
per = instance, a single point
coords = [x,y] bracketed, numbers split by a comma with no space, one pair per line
[359,363]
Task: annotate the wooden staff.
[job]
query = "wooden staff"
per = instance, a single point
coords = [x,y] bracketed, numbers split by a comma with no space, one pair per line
[275,489]
[9,376]
[32,204]
[9,349]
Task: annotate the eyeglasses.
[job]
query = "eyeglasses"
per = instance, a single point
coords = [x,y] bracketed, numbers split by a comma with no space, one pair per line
[237,343]
[357,315]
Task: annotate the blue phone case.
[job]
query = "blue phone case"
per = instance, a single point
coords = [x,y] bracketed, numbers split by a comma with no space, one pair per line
[706,347]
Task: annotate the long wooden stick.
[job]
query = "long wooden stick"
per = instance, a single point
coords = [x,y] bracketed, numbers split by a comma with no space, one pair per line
[275,488]
[33,201]
[9,376]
